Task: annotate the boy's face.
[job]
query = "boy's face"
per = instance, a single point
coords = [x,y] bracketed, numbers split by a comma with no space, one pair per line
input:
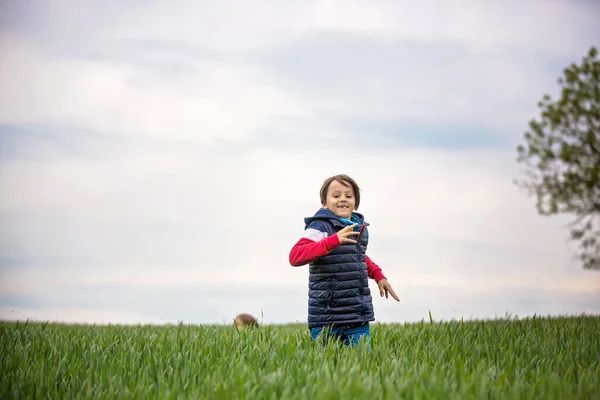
[239,323]
[340,199]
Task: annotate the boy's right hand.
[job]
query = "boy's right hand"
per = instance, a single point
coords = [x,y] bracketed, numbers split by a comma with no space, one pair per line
[344,233]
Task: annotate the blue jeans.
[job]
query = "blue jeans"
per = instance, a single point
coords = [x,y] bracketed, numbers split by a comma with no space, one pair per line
[347,334]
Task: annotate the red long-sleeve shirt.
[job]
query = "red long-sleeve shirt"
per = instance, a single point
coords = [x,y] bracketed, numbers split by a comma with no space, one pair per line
[307,250]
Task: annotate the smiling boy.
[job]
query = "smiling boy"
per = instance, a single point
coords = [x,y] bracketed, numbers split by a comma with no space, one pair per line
[334,245]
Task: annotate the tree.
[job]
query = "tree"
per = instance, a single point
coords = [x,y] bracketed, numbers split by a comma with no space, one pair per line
[562,155]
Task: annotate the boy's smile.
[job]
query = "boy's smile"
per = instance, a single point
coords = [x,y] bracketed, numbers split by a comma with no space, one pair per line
[340,199]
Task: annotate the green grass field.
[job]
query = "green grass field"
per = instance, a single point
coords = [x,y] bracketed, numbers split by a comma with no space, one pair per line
[535,358]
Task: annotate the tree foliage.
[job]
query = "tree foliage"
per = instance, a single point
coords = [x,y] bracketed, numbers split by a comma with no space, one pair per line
[562,155]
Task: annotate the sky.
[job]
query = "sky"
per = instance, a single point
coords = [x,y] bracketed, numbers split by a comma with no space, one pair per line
[157,162]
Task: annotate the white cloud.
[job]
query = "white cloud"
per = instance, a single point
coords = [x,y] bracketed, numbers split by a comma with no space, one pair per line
[218,101]
[203,135]
[436,219]
[481,25]
[383,61]
[237,25]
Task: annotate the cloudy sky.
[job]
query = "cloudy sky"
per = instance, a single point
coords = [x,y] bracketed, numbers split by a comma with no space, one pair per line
[156,161]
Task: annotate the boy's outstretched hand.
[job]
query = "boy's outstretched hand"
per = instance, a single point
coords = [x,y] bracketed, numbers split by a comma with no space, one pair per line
[384,286]
[344,234]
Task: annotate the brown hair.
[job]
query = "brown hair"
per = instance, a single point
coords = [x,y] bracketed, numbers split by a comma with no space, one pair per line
[246,320]
[344,180]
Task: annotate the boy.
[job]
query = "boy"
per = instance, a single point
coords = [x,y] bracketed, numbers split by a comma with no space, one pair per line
[334,245]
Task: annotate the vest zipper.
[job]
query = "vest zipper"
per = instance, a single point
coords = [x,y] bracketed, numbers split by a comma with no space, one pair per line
[362,300]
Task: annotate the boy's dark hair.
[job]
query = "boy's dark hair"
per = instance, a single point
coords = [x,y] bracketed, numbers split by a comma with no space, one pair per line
[344,180]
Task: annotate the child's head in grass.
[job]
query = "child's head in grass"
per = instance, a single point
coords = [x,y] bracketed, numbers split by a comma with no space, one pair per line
[243,320]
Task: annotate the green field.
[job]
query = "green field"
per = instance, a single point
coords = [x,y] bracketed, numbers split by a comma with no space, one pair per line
[535,358]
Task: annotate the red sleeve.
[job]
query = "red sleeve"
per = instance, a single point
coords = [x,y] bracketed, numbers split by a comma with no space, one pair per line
[306,250]
[373,270]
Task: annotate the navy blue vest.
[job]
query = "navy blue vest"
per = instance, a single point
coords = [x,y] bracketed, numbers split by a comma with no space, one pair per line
[338,286]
